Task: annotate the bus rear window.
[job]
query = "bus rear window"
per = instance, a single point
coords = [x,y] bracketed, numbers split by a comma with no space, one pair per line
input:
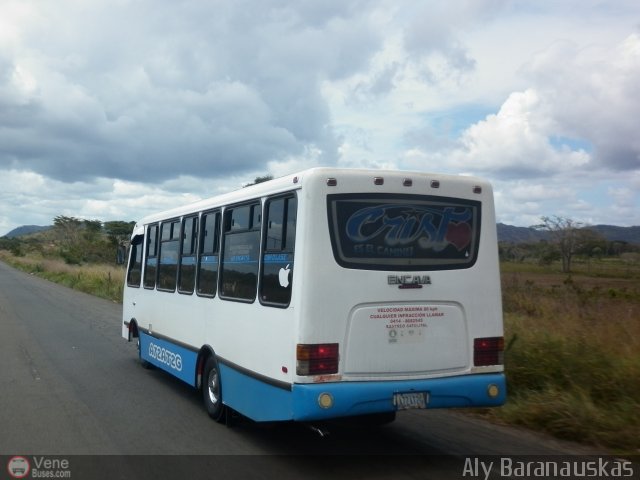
[403,232]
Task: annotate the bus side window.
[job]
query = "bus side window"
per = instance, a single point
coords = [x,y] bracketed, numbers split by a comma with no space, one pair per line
[134,275]
[169,249]
[241,247]
[187,267]
[277,257]
[208,254]
[151,260]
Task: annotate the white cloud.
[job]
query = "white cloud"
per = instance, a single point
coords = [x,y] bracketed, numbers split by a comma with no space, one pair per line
[523,190]
[200,88]
[593,94]
[120,108]
[515,142]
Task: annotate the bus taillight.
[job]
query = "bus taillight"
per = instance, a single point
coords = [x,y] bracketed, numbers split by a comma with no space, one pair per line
[488,351]
[317,359]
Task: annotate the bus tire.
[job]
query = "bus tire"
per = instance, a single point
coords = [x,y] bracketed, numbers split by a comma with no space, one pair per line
[146,365]
[212,390]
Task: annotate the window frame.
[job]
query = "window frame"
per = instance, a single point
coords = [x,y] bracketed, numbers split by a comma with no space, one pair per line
[174,238]
[410,263]
[147,236]
[226,231]
[193,254]
[215,252]
[284,248]
[137,245]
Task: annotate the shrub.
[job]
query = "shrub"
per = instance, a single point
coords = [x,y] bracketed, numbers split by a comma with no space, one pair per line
[572,360]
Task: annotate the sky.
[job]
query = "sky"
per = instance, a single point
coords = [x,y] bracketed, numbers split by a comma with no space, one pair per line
[113,109]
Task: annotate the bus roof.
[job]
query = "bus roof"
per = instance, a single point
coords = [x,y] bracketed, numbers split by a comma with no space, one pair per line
[290,182]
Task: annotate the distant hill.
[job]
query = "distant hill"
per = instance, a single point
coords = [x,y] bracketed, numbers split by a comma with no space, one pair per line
[25,230]
[620,234]
[511,234]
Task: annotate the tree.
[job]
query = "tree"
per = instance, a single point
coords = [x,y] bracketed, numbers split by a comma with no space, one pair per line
[264,178]
[67,230]
[568,236]
[119,230]
[119,233]
[92,228]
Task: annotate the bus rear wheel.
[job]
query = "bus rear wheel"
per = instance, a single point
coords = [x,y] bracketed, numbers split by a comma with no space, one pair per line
[212,390]
[143,362]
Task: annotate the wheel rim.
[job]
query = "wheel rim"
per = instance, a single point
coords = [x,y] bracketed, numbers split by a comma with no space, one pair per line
[213,387]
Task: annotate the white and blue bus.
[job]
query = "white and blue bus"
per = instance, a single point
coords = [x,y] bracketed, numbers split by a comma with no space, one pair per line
[324,294]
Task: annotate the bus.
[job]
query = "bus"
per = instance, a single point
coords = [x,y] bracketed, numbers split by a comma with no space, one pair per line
[325,294]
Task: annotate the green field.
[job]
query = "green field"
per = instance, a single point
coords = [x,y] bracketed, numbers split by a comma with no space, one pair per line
[573,352]
[572,344]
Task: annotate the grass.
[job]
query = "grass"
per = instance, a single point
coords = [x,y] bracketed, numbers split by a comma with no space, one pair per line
[103,281]
[627,266]
[573,345]
[573,358]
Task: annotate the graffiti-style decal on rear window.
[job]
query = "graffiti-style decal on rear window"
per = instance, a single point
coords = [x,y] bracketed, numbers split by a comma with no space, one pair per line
[403,232]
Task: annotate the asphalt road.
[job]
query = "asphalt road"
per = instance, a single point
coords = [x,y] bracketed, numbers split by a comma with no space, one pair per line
[71,386]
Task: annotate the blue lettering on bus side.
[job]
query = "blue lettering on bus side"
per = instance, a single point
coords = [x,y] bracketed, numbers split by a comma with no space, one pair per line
[177,360]
[277,258]
[240,259]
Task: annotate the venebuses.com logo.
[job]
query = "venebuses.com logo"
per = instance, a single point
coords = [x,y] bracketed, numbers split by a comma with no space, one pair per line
[38,467]
[18,467]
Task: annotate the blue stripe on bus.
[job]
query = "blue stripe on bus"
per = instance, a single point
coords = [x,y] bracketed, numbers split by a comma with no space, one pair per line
[172,358]
[263,402]
[209,259]
[254,398]
[188,261]
[359,398]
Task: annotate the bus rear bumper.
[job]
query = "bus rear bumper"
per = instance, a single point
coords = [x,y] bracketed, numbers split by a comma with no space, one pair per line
[343,399]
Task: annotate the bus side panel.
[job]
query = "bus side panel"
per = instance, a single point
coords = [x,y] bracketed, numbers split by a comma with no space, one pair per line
[253,398]
[172,358]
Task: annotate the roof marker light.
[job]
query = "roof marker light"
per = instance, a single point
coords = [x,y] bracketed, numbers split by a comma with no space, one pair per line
[296,179]
[407,182]
[332,182]
[378,180]
[435,183]
[477,189]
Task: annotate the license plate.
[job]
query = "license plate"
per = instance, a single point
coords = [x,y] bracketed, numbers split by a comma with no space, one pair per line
[410,400]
